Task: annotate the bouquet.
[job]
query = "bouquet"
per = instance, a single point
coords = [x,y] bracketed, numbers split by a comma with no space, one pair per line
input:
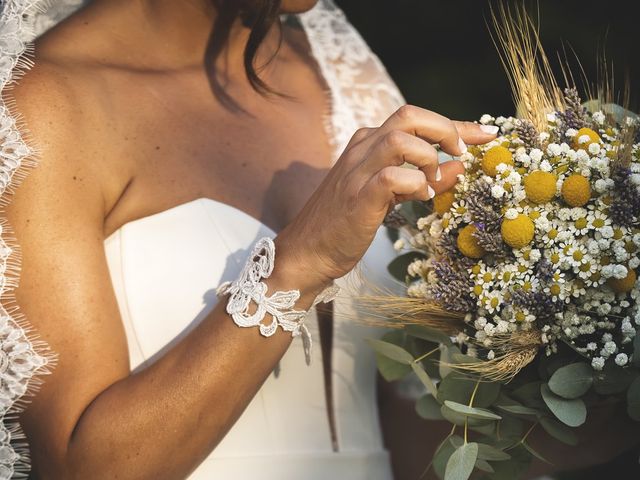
[522,282]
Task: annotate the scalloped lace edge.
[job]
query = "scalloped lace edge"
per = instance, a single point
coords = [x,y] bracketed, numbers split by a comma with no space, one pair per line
[24,358]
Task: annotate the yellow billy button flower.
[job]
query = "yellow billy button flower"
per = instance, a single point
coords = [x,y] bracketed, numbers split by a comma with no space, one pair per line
[623,285]
[443,201]
[540,186]
[517,232]
[576,190]
[468,243]
[494,157]
[593,138]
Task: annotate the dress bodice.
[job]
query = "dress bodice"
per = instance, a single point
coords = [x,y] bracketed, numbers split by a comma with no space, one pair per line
[165,269]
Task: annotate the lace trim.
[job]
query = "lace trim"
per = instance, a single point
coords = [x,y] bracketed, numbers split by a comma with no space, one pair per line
[362,93]
[249,289]
[23,358]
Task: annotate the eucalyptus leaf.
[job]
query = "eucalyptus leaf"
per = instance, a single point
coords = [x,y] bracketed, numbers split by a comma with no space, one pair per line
[635,359]
[484,466]
[441,457]
[459,388]
[515,467]
[424,378]
[459,419]
[559,431]
[613,380]
[472,412]
[572,381]
[528,394]
[535,453]
[428,407]
[570,412]
[398,266]
[389,350]
[390,369]
[509,429]
[488,452]
[426,333]
[461,463]
[518,409]
[633,399]
[487,429]
[457,441]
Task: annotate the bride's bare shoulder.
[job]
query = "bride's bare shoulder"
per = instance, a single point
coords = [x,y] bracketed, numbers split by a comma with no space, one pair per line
[64,119]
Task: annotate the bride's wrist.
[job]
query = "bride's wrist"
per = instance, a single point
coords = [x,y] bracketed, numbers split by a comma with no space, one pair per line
[295,271]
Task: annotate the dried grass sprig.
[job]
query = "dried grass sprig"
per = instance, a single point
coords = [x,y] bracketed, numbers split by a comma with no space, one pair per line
[533,84]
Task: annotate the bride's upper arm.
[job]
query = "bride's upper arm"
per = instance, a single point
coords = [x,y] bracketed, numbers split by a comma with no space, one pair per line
[65,289]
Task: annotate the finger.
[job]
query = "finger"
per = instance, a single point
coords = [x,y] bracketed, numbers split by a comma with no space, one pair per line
[392,182]
[397,148]
[474,133]
[360,135]
[429,126]
[450,171]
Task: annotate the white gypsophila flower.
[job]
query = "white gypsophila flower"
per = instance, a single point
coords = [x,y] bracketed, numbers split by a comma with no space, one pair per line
[536,155]
[592,346]
[497,191]
[594,149]
[610,347]
[621,359]
[511,214]
[554,150]
[598,117]
[551,117]
[600,185]
[544,136]
[582,139]
[491,355]
[597,363]
[399,244]
[634,263]
[571,132]
[486,119]
[545,166]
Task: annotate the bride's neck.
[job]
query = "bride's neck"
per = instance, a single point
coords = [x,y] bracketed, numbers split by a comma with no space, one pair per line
[177,32]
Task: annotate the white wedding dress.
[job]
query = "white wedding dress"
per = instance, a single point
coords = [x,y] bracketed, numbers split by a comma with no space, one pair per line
[165,269]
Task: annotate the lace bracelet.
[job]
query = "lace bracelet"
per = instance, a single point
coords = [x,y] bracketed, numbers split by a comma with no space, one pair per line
[249,287]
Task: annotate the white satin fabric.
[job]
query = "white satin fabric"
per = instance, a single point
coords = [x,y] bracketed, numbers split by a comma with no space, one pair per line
[165,269]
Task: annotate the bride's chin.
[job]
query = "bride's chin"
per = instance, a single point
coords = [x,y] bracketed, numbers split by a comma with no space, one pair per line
[297,6]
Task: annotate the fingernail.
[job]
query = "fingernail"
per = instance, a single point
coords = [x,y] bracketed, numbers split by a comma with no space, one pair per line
[462,146]
[490,129]
[438,174]
[430,192]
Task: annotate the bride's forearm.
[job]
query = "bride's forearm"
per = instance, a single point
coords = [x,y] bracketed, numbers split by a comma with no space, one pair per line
[162,421]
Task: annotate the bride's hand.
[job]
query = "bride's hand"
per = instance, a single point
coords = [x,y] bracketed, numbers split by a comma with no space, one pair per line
[340,220]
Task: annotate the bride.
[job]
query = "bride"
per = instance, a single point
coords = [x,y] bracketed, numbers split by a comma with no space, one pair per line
[173,140]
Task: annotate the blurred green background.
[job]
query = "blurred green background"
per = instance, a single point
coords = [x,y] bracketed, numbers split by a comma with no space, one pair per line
[442,57]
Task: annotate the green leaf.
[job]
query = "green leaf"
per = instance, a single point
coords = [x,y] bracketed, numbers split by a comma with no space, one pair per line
[389,350]
[424,378]
[633,399]
[428,407]
[570,412]
[398,266]
[421,209]
[514,468]
[572,381]
[528,394]
[441,457]
[534,453]
[635,359]
[559,431]
[426,333]
[460,419]
[471,411]
[484,466]
[390,369]
[518,409]
[613,380]
[461,463]
[459,388]
[510,428]
[487,452]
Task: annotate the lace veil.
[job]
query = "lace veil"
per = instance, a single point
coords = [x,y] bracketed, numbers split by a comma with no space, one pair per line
[362,95]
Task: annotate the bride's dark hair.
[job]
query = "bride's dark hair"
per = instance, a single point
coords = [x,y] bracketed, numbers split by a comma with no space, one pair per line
[259,16]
